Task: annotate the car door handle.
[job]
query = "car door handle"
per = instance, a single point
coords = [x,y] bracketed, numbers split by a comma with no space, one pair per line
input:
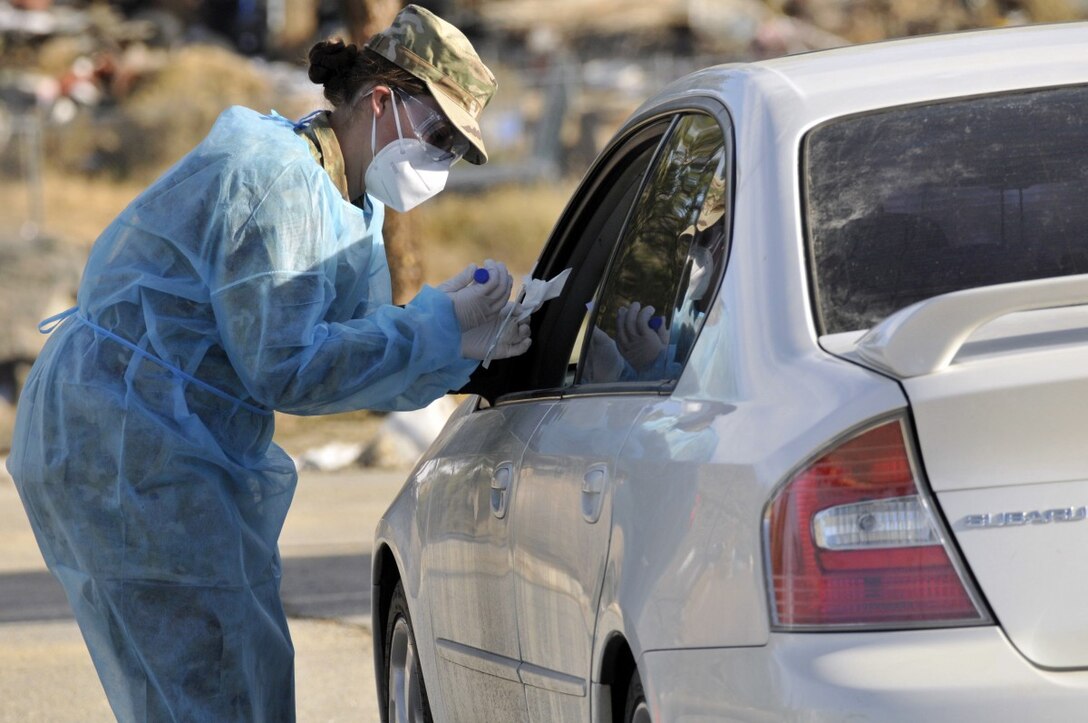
[593,485]
[501,477]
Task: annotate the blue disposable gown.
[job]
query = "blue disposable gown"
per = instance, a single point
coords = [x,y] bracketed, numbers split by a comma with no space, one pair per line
[248,284]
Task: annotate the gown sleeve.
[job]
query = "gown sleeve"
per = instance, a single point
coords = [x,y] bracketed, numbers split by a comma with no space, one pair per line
[275,279]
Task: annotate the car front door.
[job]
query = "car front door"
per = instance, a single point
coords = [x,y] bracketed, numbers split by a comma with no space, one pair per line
[466,578]
[562,519]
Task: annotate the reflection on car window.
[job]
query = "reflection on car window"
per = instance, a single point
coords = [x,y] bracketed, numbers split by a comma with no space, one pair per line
[914,202]
[652,303]
[601,233]
[583,241]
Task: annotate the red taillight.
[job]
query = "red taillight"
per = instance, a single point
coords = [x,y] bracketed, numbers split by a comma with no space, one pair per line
[851,542]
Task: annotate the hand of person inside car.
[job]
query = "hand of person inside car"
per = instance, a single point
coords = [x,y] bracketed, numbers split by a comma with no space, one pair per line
[640,336]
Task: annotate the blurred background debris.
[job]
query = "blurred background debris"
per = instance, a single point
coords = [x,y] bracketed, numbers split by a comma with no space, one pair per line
[96,99]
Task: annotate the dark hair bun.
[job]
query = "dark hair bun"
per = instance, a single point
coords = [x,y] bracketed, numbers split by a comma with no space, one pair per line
[331,58]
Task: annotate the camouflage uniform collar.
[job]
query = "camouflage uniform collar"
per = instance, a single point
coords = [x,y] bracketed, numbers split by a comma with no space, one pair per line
[325,149]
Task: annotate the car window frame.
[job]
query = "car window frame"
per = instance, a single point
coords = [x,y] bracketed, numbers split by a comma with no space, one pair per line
[659,386]
[625,144]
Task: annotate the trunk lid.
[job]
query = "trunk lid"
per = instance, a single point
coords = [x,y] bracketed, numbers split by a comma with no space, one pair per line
[997,380]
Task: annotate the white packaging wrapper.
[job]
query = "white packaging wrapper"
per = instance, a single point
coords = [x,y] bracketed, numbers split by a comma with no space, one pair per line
[531,296]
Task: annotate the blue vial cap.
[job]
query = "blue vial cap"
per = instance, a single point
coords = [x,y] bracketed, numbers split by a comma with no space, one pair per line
[481,276]
[656,322]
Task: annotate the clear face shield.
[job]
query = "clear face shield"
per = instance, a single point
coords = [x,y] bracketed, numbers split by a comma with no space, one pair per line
[432,128]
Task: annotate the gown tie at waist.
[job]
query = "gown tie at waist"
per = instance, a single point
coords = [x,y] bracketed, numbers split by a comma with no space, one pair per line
[48,325]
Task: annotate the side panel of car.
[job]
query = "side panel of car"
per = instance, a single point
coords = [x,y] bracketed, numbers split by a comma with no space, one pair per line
[685,565]
[464,497]
[756,398]
[513,500]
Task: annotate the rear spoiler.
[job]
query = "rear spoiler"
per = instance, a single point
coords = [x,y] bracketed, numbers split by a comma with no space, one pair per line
[924,338]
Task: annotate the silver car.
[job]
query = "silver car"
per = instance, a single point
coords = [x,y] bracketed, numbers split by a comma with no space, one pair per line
[803,438]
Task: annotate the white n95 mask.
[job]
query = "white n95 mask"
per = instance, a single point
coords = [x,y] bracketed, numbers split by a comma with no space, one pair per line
[404,173]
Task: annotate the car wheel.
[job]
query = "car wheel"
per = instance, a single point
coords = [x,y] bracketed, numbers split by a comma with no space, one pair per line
[405,692]
[636,710]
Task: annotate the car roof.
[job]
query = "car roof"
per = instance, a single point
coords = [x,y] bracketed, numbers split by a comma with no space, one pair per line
[932,59]
[825,83]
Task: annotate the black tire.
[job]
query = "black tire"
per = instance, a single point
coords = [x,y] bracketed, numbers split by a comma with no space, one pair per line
[637,709]
[405,698]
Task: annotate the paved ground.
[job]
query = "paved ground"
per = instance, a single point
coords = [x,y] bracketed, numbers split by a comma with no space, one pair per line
[46,673]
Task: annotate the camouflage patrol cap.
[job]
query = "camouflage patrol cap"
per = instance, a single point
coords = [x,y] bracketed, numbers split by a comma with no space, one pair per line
[443,58]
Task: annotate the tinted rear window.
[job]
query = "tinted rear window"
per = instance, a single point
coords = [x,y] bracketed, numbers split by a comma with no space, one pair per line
[918,201]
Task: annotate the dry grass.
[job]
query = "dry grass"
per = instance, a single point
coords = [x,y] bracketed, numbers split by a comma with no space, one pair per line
[76,208]
[507,224]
